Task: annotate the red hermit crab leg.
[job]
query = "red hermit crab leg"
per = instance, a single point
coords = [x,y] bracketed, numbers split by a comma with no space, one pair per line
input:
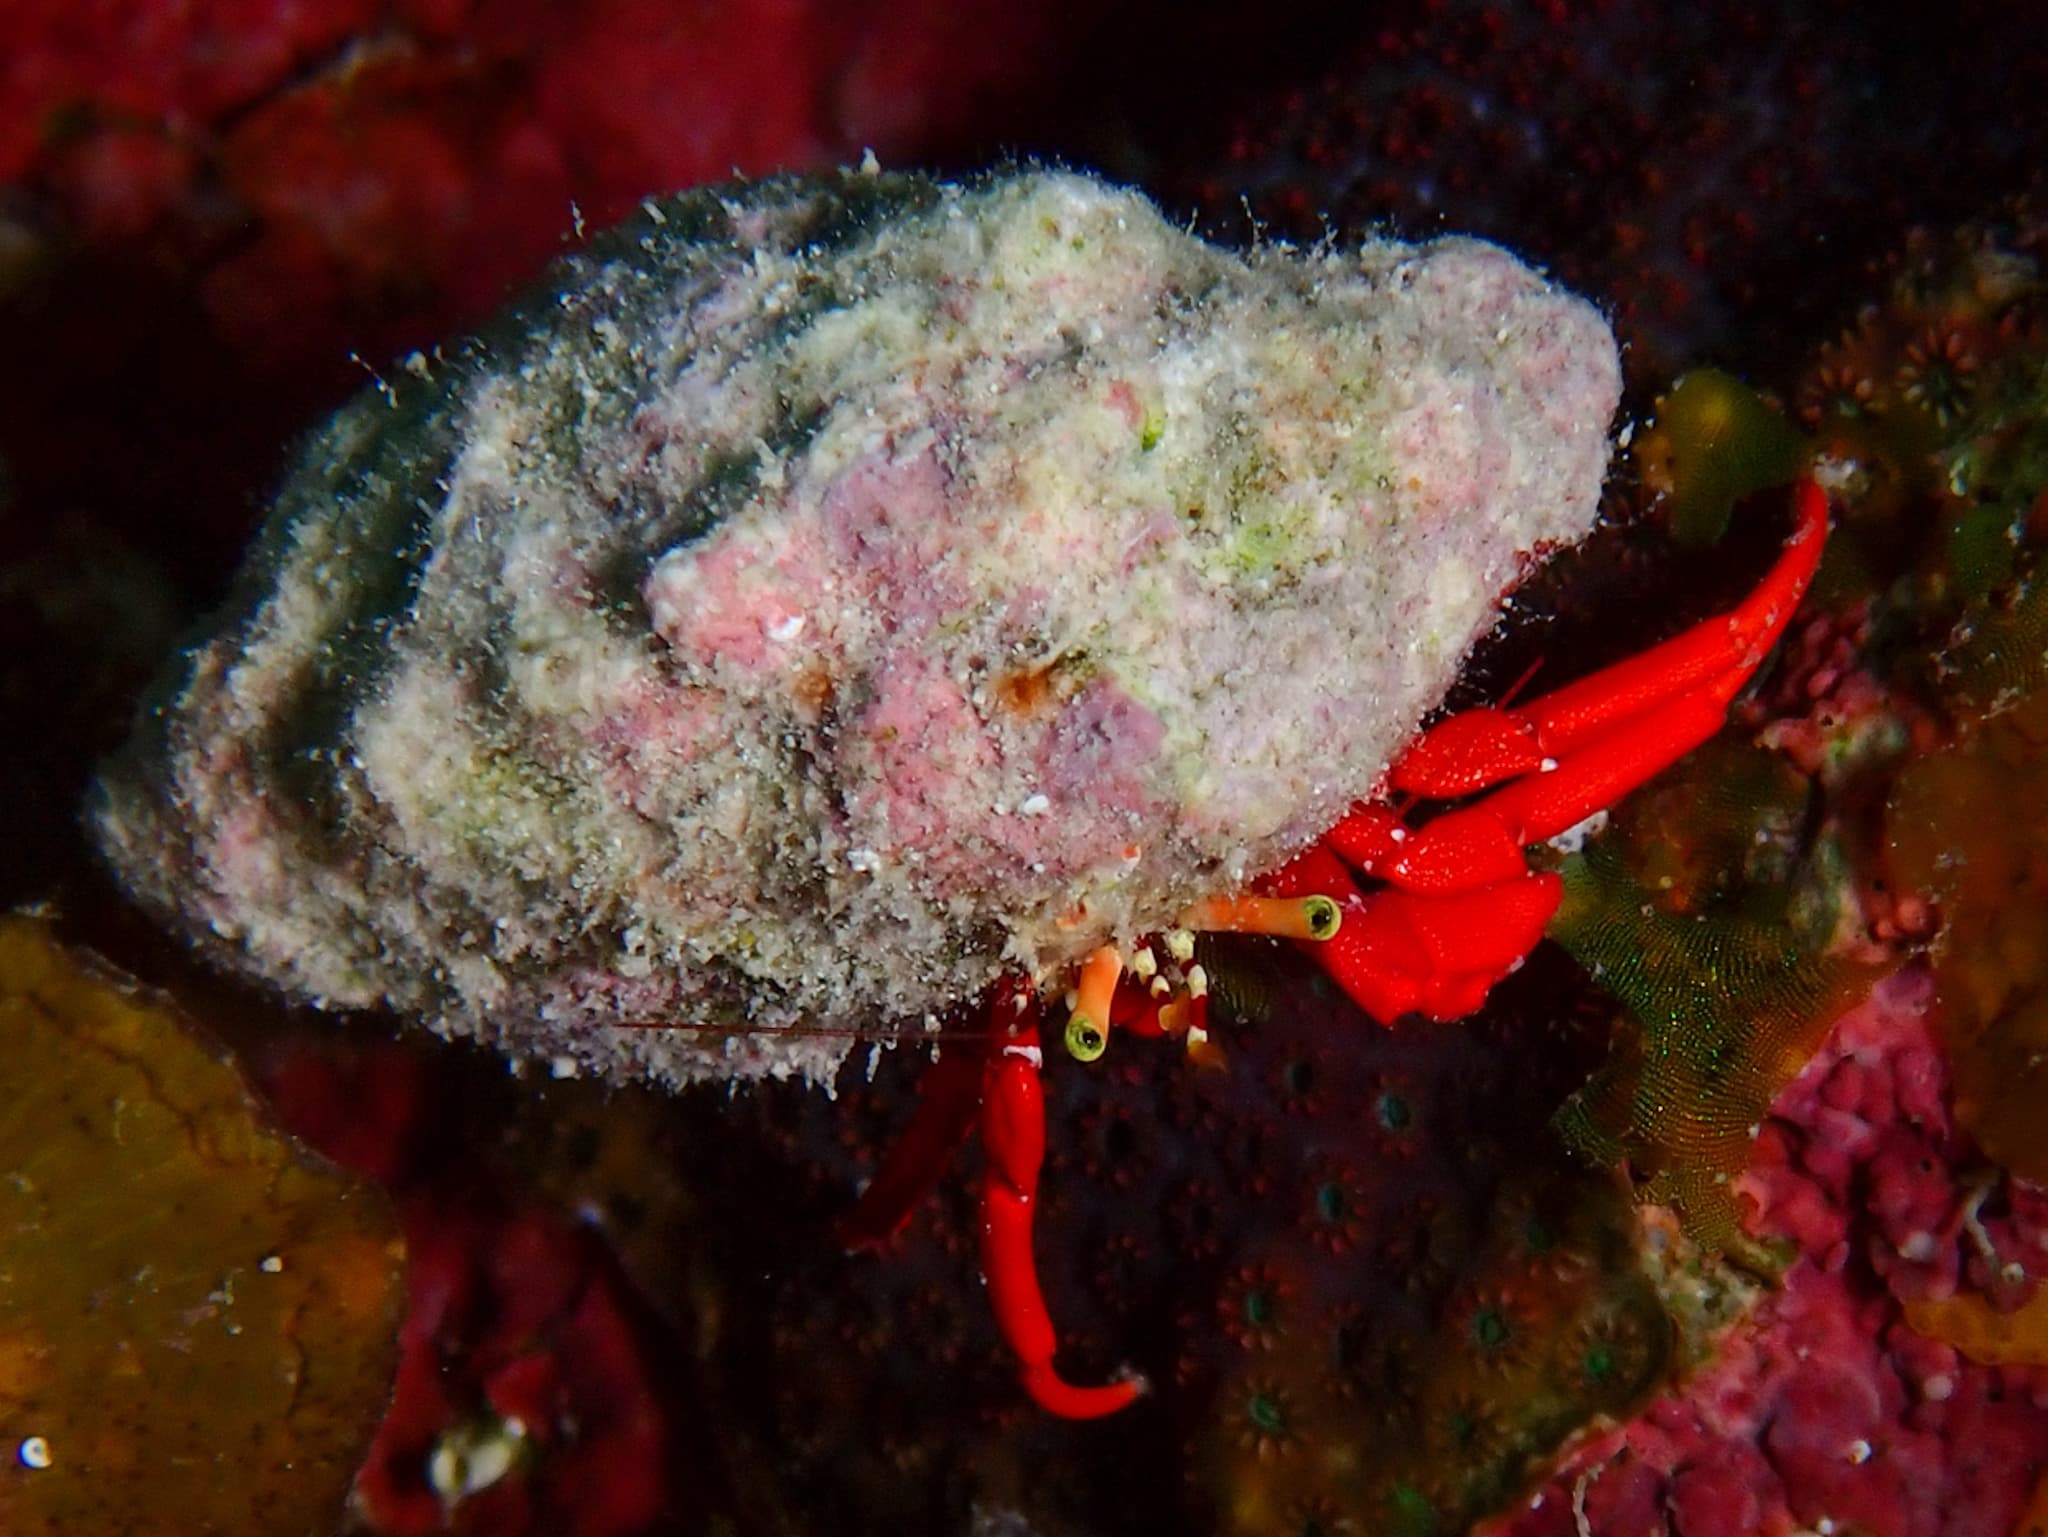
[1596,740]
[1709,662]
[948,1101]
[996,1078]
[1013,1142]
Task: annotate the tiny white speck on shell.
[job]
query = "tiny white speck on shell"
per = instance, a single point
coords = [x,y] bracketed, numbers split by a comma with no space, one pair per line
[794,613]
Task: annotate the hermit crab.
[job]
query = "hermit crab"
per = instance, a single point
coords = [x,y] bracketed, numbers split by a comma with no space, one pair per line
[839,600]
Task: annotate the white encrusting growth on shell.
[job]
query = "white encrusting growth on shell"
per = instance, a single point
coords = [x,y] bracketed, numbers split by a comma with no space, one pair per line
[833,591]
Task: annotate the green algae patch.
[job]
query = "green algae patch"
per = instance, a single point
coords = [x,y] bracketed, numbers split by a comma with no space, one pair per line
[1968,828]
[1715,441]
[1703,912]
[197,1321]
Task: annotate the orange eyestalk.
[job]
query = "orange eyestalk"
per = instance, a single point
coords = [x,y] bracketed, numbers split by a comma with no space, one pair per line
[1088,1026]
[1309,917]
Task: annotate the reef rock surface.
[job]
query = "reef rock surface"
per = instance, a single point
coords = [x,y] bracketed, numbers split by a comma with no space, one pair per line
[828,592]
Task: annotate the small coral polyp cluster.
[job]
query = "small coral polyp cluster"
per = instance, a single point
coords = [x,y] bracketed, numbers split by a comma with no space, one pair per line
[1889,787]
[1716,173]
[1936,398]
[1366,1284]
[1901,1172]
[831,592]
[1443,1308]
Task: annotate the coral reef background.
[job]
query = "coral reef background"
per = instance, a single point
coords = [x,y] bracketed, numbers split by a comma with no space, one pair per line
[1373,1286]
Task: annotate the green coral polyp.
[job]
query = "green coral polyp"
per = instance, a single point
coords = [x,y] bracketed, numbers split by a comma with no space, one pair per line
[1490,1330]
[1393,1112]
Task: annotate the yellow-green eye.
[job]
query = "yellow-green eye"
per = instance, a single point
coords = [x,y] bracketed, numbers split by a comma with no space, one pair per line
[1323,915]
[1085,1039]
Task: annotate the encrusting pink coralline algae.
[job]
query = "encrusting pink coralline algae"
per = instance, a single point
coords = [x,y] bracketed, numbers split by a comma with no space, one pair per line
[830,592]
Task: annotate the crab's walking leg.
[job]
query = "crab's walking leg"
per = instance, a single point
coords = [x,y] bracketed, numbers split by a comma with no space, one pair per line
[1581,748]
[948,1103]
[949,1099]
[1708,663]
[1013,1141]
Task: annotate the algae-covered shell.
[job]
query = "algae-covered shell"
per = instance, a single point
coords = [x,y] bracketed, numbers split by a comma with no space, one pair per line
[828,592]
